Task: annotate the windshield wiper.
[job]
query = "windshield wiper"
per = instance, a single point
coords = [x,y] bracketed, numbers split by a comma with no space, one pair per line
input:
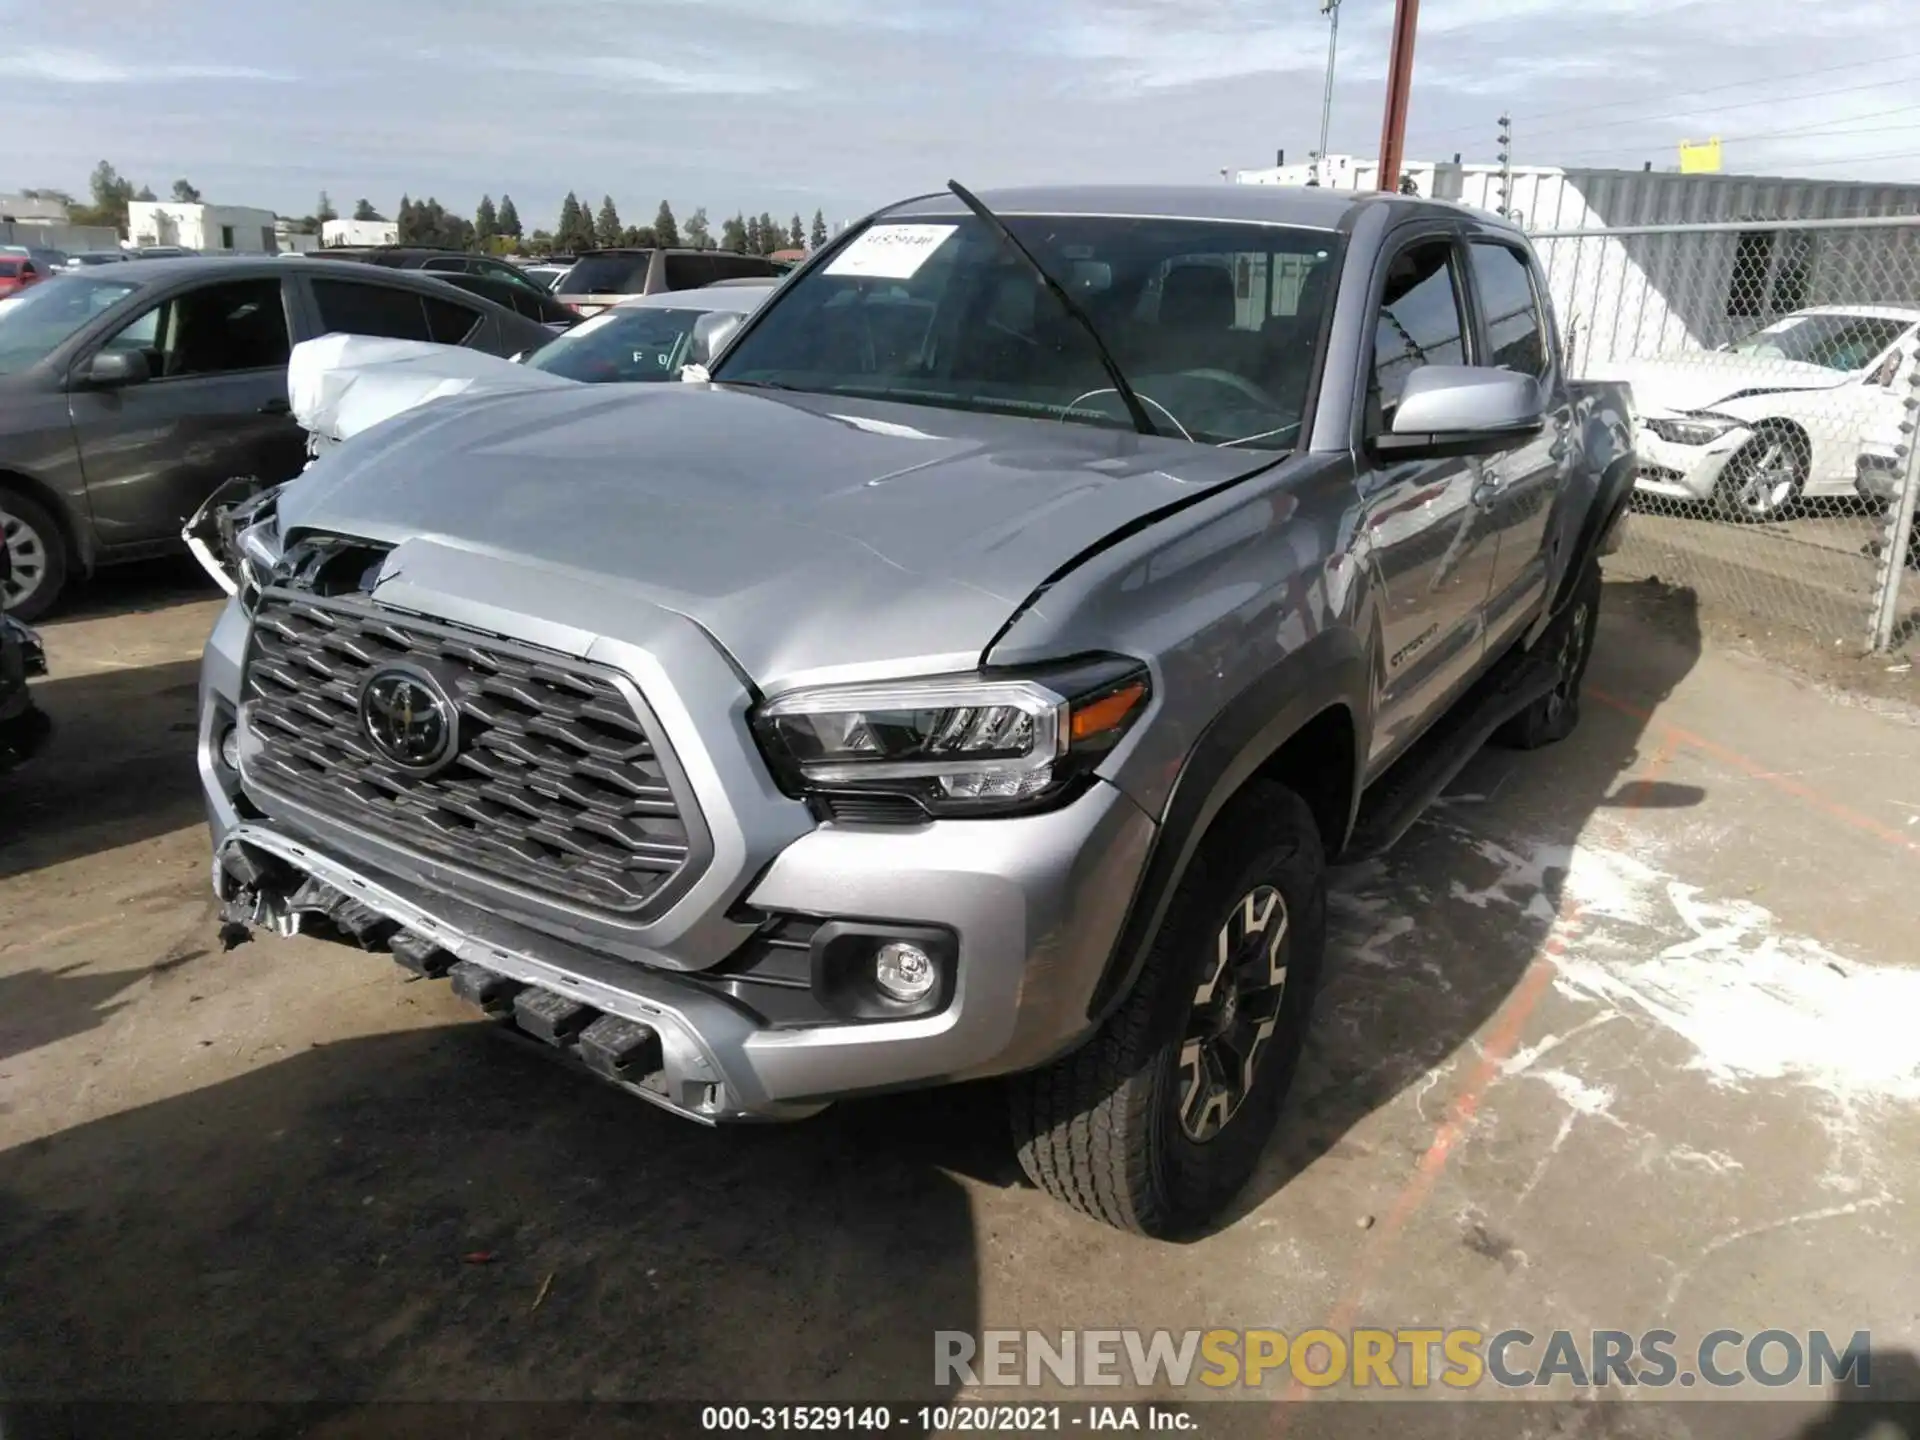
[1136,412]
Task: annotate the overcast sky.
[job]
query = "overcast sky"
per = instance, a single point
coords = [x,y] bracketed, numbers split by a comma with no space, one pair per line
[786,105]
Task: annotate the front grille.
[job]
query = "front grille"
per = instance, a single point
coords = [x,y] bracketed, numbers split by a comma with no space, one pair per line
[558,786]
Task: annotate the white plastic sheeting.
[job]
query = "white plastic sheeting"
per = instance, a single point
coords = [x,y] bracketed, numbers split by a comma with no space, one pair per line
[340,385]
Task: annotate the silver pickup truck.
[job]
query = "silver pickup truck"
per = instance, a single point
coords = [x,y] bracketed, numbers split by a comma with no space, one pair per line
[973,673]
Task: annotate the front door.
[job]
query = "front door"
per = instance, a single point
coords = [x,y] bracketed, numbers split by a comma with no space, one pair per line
[215,406]
[1519,486]
[1428,544]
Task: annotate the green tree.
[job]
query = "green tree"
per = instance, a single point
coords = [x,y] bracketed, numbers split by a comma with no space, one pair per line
[797,234]
[697,233]
[111,193]
[607,229]
[771,235]
[639,237]
[486,220]
[184,193]
[665,229]
[363,210]
[733,235]
[575,230]
[755,242]
[540,243]
[817,237]
[324,211]
[509,223]
[428,222]
[145,195]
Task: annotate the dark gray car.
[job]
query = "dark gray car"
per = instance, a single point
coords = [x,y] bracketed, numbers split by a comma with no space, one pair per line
[129,393]
[974,679]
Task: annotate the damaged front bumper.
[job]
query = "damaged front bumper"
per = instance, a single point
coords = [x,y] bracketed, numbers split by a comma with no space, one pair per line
[660,1040]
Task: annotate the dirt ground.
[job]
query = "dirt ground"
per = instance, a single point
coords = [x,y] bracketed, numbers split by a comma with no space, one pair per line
[1626,1034]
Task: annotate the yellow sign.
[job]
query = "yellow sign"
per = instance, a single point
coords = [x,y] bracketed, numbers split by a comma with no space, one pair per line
[1700,159]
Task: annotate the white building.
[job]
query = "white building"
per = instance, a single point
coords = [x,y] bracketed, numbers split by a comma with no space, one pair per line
[1661,286]
[359,232]
[213,229]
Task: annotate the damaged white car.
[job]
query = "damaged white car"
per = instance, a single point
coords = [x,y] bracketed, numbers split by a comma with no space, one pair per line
[1775,418]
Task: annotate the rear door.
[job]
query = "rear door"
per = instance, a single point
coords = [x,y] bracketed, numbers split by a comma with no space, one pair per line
[1519,486]
[1428,543]
[351,306]
[215,407]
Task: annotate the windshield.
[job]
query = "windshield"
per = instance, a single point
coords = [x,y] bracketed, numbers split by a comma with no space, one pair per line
[621,345]
[606,275]
[1216,325]
[35,322]
[1836,342]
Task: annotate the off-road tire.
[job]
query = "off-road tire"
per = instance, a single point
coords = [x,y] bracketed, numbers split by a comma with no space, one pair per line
[24,510]
[1102,1128]
[1555,716]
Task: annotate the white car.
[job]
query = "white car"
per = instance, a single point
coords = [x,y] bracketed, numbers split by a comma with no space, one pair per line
[1777,417]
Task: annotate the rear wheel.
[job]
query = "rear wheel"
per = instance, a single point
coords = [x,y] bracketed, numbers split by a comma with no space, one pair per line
[1554,715]
[36,556]
[1157,1122]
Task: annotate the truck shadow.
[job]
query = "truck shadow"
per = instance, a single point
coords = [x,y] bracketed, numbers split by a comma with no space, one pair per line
[1426,946]
[118,769]
[435,1215]
[138,588]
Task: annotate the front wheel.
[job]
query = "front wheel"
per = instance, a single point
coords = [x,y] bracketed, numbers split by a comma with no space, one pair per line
[36,569]
[1158,1121]
[1764,479]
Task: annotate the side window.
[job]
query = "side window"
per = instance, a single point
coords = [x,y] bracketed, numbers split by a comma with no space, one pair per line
[1515,333]
[688,272]
[449,322]
[1420,323]
[448,262]
[741,267]
[214,330]
[350,308]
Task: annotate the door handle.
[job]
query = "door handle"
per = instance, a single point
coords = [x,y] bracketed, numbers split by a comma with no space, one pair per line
[276,407]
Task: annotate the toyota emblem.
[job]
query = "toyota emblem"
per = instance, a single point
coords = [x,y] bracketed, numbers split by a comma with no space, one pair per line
[409,719]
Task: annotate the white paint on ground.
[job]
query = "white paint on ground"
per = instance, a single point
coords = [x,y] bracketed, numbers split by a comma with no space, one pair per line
[1753,1001]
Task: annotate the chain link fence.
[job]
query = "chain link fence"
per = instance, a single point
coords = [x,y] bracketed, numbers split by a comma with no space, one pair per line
[1776,374]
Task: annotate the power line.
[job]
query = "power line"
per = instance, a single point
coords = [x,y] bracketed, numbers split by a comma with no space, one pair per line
[1717,109]
[1707,90]
[1816,130]
[1852,160]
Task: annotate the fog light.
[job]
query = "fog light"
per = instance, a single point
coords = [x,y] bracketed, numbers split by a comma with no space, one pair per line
[230,747]
[905,972]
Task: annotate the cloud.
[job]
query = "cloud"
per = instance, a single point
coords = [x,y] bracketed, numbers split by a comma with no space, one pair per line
[80,67]
[691,74]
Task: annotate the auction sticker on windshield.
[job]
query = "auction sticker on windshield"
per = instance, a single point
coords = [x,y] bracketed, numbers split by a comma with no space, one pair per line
[890,252]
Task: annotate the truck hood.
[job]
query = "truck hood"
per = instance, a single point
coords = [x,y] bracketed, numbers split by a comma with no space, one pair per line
[1682,384]
[807,534]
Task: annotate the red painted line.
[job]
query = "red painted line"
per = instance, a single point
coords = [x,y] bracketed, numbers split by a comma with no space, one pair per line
[1500,1043]
[1866,824]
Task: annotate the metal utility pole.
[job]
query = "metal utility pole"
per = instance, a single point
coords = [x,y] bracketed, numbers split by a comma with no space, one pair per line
[1393,129]
[1330,9]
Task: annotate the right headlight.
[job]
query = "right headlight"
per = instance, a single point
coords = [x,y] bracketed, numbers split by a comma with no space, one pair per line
[986,743]
[1692,429]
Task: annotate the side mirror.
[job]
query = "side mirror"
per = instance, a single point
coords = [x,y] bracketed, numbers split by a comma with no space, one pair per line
[711,332]
[111,369]
[1448,410]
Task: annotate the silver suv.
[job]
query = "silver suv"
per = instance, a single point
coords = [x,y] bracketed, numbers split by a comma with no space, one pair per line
[972,679]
